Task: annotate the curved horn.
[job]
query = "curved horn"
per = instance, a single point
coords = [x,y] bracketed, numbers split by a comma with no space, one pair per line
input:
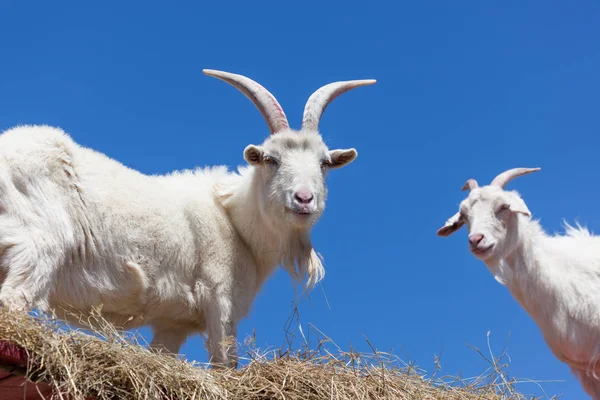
[470,185]
[507,176]
[320,99]
[261,97]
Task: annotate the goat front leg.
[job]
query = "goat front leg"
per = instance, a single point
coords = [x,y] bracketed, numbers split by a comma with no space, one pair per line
[29,264]
[222,331]
[168,339]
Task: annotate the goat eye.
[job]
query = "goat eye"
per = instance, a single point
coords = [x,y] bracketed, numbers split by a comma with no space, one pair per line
[503,207]
[270,160]
[325,163]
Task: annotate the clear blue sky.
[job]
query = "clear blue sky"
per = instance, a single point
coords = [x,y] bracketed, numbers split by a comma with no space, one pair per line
[465,89]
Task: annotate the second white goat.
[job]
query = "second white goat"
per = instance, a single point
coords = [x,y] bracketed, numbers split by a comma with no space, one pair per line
[556,279]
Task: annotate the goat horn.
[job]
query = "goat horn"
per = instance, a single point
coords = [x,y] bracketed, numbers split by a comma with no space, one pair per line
[507,176]
[470,185]
[263,100]
[320,99]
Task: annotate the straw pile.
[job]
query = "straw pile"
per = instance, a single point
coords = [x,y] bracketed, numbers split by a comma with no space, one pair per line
[111,365]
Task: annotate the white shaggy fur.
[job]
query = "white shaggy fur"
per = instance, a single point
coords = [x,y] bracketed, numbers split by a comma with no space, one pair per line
[556,279]
[182,253]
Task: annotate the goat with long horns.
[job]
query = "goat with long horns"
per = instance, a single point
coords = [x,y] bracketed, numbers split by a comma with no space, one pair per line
[182,253]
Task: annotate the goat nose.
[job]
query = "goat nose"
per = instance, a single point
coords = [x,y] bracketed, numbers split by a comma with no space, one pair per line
[303,196]
[475,238]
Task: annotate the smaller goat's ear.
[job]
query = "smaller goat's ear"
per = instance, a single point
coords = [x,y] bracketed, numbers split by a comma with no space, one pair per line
[341,158]
[452,225]
[253,154]
[518,206]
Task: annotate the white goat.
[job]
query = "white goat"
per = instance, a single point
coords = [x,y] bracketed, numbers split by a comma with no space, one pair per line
[183,253]
[556,279]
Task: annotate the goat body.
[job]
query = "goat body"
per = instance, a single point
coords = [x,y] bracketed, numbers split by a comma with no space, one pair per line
[556,279]
[79,229]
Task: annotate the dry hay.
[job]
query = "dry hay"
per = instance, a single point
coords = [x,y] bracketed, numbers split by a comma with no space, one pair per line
[111,365]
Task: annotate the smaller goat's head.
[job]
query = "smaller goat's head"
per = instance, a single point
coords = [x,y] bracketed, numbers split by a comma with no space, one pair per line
[291,166]
[491,214]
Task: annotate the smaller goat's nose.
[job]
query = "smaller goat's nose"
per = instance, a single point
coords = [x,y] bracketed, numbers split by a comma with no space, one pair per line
[303,196]
[475,238]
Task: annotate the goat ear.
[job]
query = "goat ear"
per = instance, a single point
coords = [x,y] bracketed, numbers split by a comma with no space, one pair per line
[341,158]
[253,154]
[519,206]
[452,225]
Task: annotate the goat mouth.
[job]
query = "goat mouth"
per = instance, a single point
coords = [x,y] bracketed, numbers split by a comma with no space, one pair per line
[478,251]
[301,213]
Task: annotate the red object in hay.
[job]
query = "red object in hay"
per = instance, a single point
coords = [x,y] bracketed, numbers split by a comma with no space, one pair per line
[13,385]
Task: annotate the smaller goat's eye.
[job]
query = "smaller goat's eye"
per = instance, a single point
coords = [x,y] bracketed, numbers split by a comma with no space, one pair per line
[325,163]
[270,160]
[503,207]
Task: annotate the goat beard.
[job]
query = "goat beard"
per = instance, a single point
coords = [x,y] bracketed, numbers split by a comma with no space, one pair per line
[300,259]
